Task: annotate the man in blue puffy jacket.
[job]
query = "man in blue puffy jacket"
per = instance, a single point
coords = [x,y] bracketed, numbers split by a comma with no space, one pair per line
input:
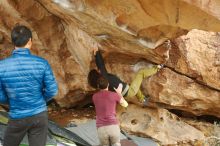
[26,84]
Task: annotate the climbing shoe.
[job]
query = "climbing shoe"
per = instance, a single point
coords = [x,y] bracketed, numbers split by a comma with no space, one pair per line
[145,100]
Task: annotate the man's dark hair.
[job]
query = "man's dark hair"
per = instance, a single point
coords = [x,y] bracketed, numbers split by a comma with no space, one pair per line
[20,35]
[93,76]
[102,83]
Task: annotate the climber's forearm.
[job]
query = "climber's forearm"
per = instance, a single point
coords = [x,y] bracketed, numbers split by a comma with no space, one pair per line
[123,102]
[100,64]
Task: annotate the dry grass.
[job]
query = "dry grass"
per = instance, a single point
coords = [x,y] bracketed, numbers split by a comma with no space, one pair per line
[214,139]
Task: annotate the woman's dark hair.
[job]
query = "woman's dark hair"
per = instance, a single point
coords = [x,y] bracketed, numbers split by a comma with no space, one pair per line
[93,77]
[20,35]
[102,83]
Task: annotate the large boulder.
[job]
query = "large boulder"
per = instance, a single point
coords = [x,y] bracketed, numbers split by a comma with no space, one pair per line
[197,55]
[175,91]
[158,124]
[128,32]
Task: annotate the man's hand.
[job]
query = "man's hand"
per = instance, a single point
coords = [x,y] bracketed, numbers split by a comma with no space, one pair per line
[160,66]
[123,102]
[168,44]
[95,49]
[119,89]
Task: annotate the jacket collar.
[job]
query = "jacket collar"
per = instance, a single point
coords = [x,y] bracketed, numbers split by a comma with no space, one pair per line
[22,51]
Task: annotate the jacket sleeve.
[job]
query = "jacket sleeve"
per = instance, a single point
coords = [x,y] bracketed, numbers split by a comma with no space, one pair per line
[50,87]
[101,64]
[3,96]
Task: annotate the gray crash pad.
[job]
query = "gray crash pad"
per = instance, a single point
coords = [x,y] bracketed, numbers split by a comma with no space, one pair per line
[88,132]
[143,141]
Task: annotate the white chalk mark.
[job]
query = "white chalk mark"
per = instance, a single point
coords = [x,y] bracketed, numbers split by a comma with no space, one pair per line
[148,44]
[103,36]
[63,3]
[125,28]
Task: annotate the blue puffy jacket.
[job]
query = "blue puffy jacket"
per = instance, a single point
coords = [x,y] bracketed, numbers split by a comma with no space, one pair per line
[26,84]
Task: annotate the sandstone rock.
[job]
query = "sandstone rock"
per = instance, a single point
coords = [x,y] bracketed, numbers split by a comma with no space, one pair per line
[68,30]
[48,38]
[1,38]
[5,48]
[1,108]
[198,55]
[211,7]
[175,91]
[158,124]
[128,32]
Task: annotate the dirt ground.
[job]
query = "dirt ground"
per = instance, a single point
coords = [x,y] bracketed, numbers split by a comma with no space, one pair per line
[63,117]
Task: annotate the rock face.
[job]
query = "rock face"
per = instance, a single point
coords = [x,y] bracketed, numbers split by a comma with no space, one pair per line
[129,31]
[174,90]
[198,56]
[158,124]
[210,7]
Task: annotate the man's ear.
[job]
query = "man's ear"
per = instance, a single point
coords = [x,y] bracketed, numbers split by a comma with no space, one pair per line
[29,43]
